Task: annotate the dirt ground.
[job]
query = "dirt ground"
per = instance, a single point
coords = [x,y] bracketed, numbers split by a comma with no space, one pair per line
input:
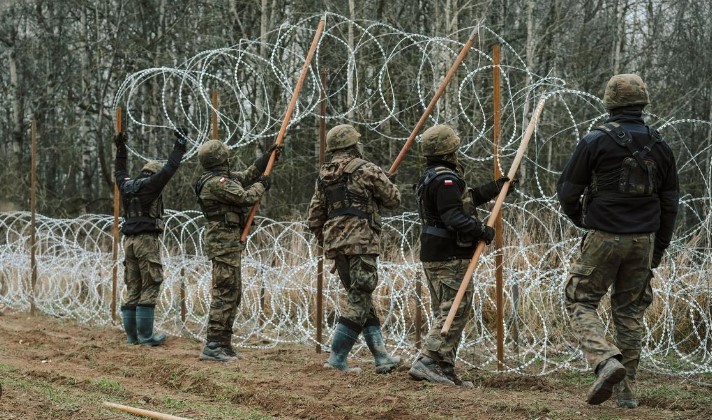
[59,369]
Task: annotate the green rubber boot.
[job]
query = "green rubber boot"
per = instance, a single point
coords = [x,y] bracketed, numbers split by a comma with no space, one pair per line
[341,345]
[384,361]
[144,327]
[128,316]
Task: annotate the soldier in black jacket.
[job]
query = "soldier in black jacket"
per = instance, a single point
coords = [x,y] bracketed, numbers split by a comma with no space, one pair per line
[143,222]
[621,185]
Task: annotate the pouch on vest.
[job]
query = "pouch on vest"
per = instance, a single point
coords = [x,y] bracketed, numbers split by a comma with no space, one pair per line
[635,180]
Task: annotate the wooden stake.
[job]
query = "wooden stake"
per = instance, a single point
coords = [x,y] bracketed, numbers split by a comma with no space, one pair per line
[115,232]
[320,249]
[143,413]
[497,135]
[216,103]
[33,210]
[490,222]
[450,74]
[285,121]
[418,311]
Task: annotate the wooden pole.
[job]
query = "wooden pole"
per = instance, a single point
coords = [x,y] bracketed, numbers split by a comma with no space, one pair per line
[115,232]
[320,249]
[285,121]
[143,413]
[497,135]
[33,210]
[216,103]
[418,311]
[182,297]
[450,74]
[490,222]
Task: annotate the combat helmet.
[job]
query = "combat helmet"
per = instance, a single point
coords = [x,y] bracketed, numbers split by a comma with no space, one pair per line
[152,166]
[439,140]
[213,153]
[341,137]
[625,90]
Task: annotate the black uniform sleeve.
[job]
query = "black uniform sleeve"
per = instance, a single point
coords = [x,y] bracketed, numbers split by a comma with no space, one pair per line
[484,193]
[120,173]
[448,196]
[669,194]
[572,182]
[158,181]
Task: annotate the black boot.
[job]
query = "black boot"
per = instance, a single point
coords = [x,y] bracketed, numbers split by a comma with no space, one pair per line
[144,327]
[374,339]
[216,352]
[341,345]
[128,315]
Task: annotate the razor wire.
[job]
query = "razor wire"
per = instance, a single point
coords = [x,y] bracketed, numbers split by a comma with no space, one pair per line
[280,262]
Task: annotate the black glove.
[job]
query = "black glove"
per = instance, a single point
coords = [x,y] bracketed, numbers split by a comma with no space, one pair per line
[181,137]
[261,162]
[512,185]
[121,139]
[264,180]
[486,233]
[657,257]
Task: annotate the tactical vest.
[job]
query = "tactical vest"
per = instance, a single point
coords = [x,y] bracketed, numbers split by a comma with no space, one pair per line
[636,176]
[342,202]
[215,211]
[140,218]
[430,220]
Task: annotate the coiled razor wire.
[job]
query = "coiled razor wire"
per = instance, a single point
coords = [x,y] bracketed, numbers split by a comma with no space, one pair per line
[280,263]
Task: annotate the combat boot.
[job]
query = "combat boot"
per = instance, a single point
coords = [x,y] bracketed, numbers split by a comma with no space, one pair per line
[215,352]
[341,345]
[128,316]
[384,361]
[625,390]
[144,327]
[230,351]
[608,373]
[449,372]
[428,369]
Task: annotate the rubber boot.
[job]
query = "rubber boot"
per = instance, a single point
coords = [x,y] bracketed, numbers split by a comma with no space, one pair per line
[144,327]
[128,315]
[341,345]
[384,361]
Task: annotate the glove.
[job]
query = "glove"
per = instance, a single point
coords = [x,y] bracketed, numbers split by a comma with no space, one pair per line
[657,257]
[264,180]
[181,137]
[121,139]
[486,233]
[512,185]
[261,162]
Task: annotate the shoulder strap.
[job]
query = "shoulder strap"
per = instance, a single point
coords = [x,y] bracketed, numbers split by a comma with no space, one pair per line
[353,165]
[617,133]
[201,182]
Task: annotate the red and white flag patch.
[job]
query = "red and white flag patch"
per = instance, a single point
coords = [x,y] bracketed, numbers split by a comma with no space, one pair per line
[447,182]
[222,180]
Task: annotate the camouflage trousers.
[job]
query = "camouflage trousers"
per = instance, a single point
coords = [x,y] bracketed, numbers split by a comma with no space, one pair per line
[620,262]
[143,272]
[226,294]
[444,279]
[359,276]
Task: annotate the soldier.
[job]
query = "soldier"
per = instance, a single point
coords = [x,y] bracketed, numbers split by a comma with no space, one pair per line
[449,235]
[142,201]
[344,216]
[625,175]
[225,198]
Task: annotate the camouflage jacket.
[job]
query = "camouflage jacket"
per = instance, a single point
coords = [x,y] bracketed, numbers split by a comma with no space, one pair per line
[348,234]
[237,189]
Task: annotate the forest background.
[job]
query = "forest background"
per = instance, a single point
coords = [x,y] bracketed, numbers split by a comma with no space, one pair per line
[61,63]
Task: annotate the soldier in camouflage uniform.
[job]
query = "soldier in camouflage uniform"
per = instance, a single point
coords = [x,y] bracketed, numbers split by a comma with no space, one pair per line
[225,198]
[449,235]
[621,185]
[142,201]
[344,215]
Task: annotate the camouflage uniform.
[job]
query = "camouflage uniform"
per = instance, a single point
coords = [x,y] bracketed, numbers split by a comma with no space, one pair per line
[630,213]
[225,197]
[344,214]
[143,222]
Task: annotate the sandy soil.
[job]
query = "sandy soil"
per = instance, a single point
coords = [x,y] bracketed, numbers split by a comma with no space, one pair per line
[59,369]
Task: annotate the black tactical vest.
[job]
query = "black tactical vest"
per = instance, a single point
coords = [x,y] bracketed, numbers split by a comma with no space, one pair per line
[342,202]
[215,211]
[139,218]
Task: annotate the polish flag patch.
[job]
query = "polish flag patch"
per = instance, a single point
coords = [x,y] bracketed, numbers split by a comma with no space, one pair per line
[447,182]
[222,180]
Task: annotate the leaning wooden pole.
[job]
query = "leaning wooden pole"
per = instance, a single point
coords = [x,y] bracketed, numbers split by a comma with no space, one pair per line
[143,413]
[497,136]
[115,231]
[33,217]
[490,222]
[287,117]
[320,249]
[215,99]
[434,101]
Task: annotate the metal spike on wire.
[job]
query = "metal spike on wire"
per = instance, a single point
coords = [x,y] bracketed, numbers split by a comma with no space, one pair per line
[434,101]
[493,216]
[285,121]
